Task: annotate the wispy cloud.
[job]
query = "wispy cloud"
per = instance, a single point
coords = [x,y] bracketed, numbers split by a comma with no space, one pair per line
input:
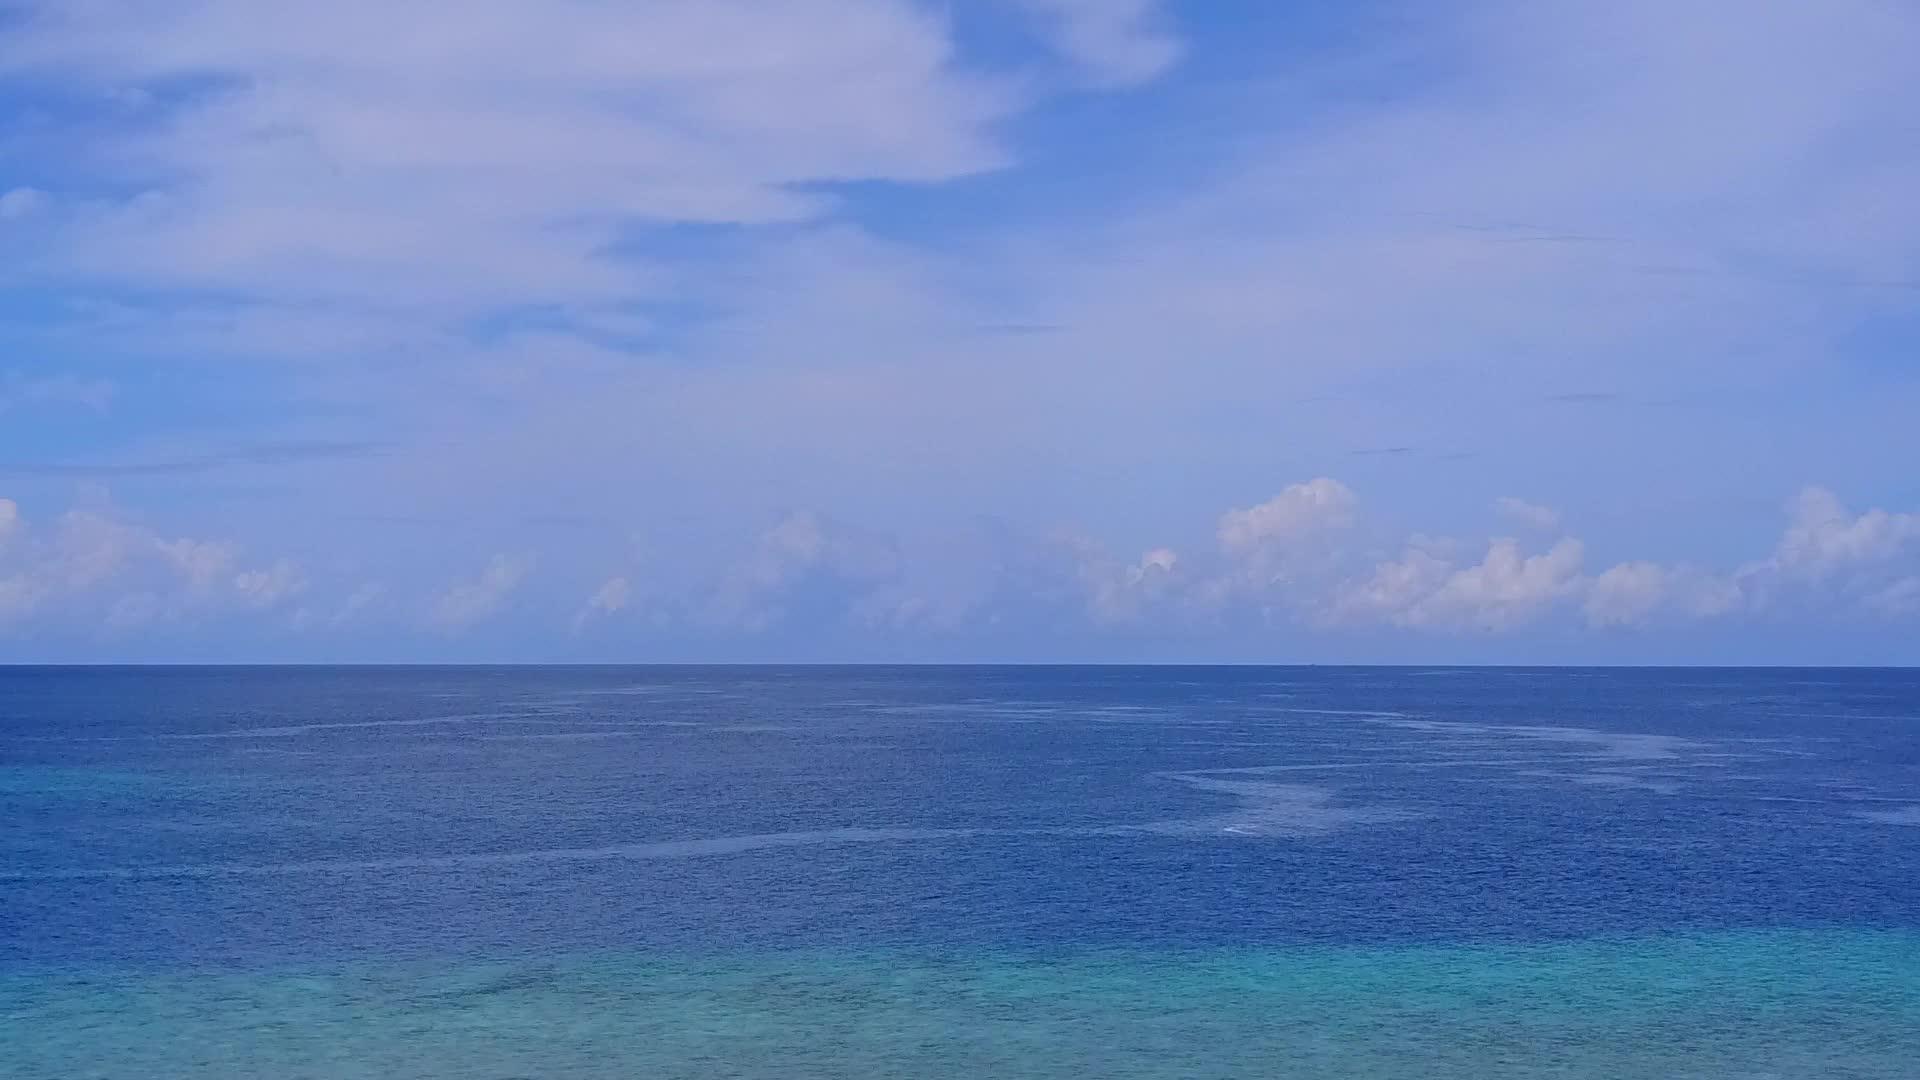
[471,602]
[1113,42]
[251,454]
[19,390]
[370,155]
[1522,512]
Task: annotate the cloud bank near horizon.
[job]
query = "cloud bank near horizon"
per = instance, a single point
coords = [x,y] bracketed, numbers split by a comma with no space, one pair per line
[1309,562]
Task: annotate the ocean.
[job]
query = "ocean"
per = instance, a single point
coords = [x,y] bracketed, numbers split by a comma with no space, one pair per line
[970,871]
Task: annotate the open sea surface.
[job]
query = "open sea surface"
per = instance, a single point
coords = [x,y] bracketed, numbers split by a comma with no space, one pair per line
[969,872]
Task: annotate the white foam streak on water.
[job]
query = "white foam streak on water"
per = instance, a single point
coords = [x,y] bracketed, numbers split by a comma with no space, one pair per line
[666,849]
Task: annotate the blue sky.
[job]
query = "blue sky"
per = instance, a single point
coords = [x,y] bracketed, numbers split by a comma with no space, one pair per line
[985,330]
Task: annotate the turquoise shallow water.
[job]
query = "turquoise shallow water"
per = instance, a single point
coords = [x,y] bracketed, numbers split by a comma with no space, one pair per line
[1720,1006]
[872,872]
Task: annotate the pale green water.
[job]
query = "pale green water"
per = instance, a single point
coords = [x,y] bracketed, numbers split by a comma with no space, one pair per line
[1750,1005]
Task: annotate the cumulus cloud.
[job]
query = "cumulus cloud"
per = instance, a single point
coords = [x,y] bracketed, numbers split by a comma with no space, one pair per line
[1299,512]
[800,551]
[610,598]
[1274,553]
[1392,589]
[471,602]
[1823,538]
[1302,562]
[86,548]
[1158,562]
[1828,562]
[1636,593]
[1506,589]
[92,564]
[1532,515]
[200,562]
[1626,594]
[1830,558]
[1122,593]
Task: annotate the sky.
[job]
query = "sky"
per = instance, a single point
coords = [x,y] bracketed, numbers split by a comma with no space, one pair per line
[979,330]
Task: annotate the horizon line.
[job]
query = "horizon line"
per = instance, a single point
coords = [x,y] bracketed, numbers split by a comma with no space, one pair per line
[830,664]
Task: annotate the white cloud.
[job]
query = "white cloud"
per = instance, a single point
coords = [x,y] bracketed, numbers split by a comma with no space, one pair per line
[1684,591]
[1506,589]
[1298,563]
[1828,562]
[1554,212]
[1627,594]
[1115,42]
[267,587]
[943,583]
[1277,552]
[1532,515]
[21,202]
[91,564]
[610,598]
[1708,596]
[802,549]
[471,602]
[1822,538]
[485,149]
[89,547]
[1898,599]
[1393,589]
[1831,558]
[198,561]
[1299,512]
[1562,196]
[1156,562]
[1121,594]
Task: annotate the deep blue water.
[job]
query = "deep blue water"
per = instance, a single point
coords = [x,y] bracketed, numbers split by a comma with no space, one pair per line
[981,871]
